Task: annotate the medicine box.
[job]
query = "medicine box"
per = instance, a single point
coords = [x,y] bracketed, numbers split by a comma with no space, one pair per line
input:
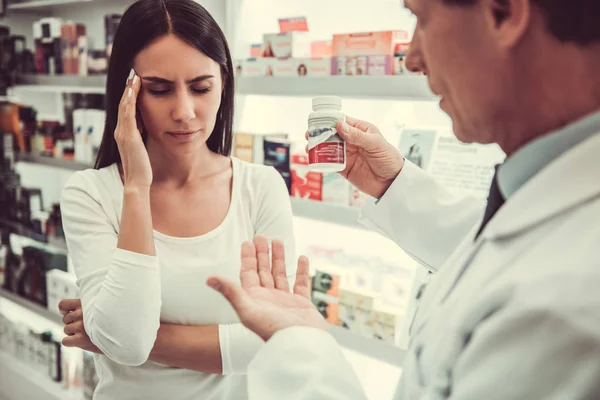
[306,184]
[367,53]
[249,146]
[285,45]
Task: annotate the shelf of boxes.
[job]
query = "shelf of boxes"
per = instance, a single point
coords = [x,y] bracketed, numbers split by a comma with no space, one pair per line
[20,230]
[53,162]
[62,83]
[380,87]
[20,381]
[41,5]
[31,306]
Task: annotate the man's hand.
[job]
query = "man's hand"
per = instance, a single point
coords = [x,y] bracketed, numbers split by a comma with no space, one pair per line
[74,329]
[264,302]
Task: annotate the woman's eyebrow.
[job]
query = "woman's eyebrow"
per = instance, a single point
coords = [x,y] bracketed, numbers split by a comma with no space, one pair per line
[157,79]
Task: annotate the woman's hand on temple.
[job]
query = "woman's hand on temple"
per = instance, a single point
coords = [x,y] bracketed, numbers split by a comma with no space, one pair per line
[137,172]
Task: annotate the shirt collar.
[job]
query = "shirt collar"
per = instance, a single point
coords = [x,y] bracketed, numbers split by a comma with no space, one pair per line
[526,162]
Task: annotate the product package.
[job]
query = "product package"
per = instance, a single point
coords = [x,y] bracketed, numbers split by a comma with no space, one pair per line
[111,23]
[48,46]
[277,155]
[368,53]
[254,67]
[385,321]
[315,66]
[285,45]
[250,146]
[256,50]
[328,306]
[326,148]
[321,48]
[74,49]
[347,310]
[60,285]
[306,184]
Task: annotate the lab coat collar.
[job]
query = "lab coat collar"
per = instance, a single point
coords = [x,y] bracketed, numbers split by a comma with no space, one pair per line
[566,182]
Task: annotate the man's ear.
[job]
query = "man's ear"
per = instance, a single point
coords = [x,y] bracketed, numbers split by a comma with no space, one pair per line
[508,19]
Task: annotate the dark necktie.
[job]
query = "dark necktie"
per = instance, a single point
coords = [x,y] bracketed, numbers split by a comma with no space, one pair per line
[495,201]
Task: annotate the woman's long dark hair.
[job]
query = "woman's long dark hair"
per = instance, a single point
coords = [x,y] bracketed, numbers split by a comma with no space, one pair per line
[142,23]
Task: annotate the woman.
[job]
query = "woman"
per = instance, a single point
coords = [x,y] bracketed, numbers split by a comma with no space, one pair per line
[165,208]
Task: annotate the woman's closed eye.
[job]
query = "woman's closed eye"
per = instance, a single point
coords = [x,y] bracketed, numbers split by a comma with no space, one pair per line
[163,91]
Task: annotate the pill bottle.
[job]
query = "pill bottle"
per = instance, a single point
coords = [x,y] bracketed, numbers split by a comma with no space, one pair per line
[326,149]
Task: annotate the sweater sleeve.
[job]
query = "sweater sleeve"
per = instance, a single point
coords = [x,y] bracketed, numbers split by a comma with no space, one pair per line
[120,290]
[274,220]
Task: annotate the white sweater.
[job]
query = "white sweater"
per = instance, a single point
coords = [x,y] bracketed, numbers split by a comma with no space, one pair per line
[126,295]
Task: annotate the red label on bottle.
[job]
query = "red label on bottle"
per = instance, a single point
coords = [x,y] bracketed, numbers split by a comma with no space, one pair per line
[327,152]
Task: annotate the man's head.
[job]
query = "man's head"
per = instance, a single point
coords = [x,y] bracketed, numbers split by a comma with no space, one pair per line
[509,70]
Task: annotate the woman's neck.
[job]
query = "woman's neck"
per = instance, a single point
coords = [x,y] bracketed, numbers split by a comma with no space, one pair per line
[179,170]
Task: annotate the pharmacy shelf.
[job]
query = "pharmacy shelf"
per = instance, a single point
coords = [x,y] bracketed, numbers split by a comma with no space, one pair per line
[52,242]
[31,306]
[324,212]
[20,381]
[53,162]
[378,87]
[377,349]
[41,5]
[94,84]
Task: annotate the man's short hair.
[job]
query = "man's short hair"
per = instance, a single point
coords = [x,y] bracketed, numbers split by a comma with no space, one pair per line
[575,21]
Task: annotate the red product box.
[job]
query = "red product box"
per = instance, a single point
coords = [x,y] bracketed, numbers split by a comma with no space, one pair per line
[306,184]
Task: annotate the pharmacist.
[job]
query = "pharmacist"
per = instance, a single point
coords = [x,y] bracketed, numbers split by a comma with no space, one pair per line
[514,309]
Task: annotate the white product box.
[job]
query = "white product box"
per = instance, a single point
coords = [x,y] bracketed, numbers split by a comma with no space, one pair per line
[335,190]
[347,310]
[95,122]
[253,67]
[284,66]
[284,45]
[386,322]
[313,66]
[80,134]
[60,285]
[364,313]
[249,146]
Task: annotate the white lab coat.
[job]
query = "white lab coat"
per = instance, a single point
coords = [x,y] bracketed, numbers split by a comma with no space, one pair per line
[512,315]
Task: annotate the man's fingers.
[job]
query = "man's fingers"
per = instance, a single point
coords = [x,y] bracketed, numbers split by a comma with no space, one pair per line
[73,316]
[264,263]
[234,293]
[355,136]
[75,327]
[360,124]
[68,305]
[249,271]
[302,285]
[279,272]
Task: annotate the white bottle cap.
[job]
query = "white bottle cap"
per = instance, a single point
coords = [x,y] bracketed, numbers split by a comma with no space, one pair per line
[327,101]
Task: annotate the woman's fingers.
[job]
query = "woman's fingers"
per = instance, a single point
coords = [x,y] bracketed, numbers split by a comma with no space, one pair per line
[264,263]
[278,266]
[302,285]
[127,107]
[249,272]
[74,328]
[73,316]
